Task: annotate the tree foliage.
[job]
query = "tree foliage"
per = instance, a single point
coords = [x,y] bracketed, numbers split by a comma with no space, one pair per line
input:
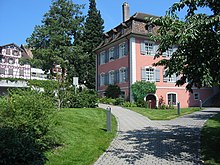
[52,42]
[198,40]
[113,91]
[26,120]
[92,37]
[141,88]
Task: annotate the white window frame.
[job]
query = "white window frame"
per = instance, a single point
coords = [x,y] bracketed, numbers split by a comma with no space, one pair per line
[111,54]
[102,57]
[149,48]
[111,75]
[122,50]
[122,75]
[150,74]
[198,96]
[102,79]
[174,93]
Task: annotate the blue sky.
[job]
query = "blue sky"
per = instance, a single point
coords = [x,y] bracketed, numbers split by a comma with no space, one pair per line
[19,17]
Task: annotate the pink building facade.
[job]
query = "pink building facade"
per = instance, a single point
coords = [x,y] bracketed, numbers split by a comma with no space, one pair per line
[126,55]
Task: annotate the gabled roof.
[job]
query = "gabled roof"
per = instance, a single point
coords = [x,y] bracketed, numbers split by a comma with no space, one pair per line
[13,45]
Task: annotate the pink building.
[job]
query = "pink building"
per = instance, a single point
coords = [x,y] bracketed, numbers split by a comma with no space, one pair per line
[126,55]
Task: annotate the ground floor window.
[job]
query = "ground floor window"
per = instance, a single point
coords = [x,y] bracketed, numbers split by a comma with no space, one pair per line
[196,96]
[171,98]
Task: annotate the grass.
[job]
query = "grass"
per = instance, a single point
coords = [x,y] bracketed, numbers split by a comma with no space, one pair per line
[210,141]
[84,136]
[162,114]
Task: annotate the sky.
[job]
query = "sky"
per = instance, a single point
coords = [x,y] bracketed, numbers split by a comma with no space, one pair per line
[19,17]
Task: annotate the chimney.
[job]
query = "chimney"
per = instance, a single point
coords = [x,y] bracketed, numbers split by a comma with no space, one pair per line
[126,11]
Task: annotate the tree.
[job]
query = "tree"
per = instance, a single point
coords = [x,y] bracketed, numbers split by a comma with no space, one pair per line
[198,40]
[113,91]
[92,37]
[52,42]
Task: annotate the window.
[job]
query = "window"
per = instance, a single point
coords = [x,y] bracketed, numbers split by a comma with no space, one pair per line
[2,70]
[122,31]
[122,75]
[150,28]
[111,77]
[15,52]
[150,74]
[169,52]
[172,78]
[121,50]
[21,72]
[8,51]
[149,48]
[102,57]
[111,54]
[102,79]
[11,61]
[10,71]
[171,98]
[196,96]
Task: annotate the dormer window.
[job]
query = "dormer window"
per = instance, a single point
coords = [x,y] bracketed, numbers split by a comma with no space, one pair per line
[150,28]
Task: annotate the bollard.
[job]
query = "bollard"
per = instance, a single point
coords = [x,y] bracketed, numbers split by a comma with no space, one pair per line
[200,104]
[109,120]
[178,108]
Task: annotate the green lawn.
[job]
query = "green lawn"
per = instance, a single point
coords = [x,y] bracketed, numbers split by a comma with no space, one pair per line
[162,114]
[83,134]
[210,138]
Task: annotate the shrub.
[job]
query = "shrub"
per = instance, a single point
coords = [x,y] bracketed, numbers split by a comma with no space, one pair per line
[106,100]
[87,98]
[129,104]
[119,101]
[140,89]
[113,91]
[26,118]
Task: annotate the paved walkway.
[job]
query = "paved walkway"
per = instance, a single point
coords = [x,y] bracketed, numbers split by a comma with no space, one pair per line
[141,141]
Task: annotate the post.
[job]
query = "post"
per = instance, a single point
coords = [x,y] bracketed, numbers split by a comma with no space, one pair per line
[178,108]
[109,120]
[200,104]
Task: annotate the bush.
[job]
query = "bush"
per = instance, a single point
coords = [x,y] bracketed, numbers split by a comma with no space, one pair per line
[129,104]
[26,118]
[119,101]
[113,91]
[87,98]
[106,100]
[140,89]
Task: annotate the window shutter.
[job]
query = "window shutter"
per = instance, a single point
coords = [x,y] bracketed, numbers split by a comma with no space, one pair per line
[165,79]
[116,52]
[155,48]
[106,79]
[126,74]
[116,76]
[157,75]
[143,48]
[177,77]
[143,74]
[126,48]
[106,56]
[98,80]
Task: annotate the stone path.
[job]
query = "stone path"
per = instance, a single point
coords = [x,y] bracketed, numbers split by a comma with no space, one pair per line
[141,141]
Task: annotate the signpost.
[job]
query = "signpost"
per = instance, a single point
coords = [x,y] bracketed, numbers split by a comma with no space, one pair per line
[75,82]
[109,120]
